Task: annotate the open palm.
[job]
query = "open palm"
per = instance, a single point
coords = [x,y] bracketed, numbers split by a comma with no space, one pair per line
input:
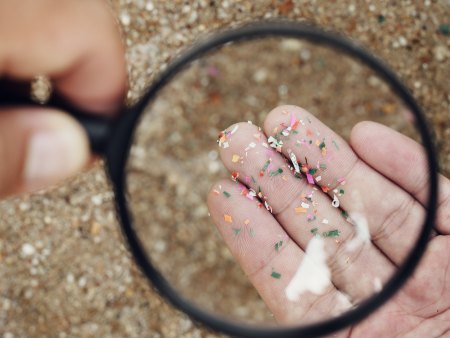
[296,184]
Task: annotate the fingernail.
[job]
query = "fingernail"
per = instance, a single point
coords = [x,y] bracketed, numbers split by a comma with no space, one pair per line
[53,155]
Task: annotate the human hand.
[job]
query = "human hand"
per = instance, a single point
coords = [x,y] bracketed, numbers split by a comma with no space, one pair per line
[379,180]
[77,45]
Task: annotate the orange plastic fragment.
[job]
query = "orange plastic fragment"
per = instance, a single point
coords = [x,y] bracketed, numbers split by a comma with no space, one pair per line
[228,218]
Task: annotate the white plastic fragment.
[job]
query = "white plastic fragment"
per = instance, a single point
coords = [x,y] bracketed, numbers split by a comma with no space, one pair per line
[313,274]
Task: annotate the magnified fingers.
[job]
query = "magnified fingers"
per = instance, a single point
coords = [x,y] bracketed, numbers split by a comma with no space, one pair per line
[370,140]
[268,256]
[302,209]
[393,216]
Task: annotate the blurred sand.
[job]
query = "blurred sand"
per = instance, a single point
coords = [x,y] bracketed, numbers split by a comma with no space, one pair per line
[64,267]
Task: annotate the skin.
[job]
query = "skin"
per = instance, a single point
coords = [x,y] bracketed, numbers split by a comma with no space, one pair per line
[77,44]
[377,185]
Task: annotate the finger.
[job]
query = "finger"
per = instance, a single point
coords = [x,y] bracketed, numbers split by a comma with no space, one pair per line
[393,216]
[303,210]
[250,233]
[403,153]
[38,148]
[76,43]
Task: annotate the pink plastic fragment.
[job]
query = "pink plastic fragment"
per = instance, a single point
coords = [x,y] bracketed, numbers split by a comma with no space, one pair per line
[309,178]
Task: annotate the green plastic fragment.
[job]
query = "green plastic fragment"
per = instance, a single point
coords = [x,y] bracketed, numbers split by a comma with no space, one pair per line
[278,245]
[276,275]
[331,233]
[227,194]
[312,171]
[265,165]
[276,172]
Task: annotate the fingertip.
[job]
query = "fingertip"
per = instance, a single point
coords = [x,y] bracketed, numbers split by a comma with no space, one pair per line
[55,151]
[39,148]
[363,131]
[280,115]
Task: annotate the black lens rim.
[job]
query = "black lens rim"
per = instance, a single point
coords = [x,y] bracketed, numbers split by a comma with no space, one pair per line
[119,147]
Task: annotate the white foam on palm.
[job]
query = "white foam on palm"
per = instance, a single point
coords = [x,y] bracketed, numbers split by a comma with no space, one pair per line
[362,231]
[313,274]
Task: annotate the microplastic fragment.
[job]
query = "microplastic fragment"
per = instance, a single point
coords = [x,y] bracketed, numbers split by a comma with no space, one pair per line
[234,129]
[251,145]
[305,205]
[310,178]
[335,144]
[227,194]
[294,122]
[266,165]
[235,158]
[278,245]
[331,233]
[312,171]
[228,218]
[236,231]
[318,178]
[234,176]
[286,131]
[300,210]
[344,214]
[276,172]
[314,265]
[335,202]
[361,225]
[325,221]
[311,217]
[276,275]
[325,189]
[314,231]
[294,162]
[341,180]
[247,222]
[251,194]
[252,232]
[274,143]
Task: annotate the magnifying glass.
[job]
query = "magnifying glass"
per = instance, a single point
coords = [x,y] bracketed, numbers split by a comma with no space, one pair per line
[255,216]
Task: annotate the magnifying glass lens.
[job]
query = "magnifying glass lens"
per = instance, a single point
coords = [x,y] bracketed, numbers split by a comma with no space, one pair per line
[259,193]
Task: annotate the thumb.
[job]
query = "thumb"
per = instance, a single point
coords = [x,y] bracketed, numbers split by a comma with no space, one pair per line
[38,147]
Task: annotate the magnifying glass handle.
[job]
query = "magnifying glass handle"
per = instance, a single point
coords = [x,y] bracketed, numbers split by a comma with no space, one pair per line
[98,128]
